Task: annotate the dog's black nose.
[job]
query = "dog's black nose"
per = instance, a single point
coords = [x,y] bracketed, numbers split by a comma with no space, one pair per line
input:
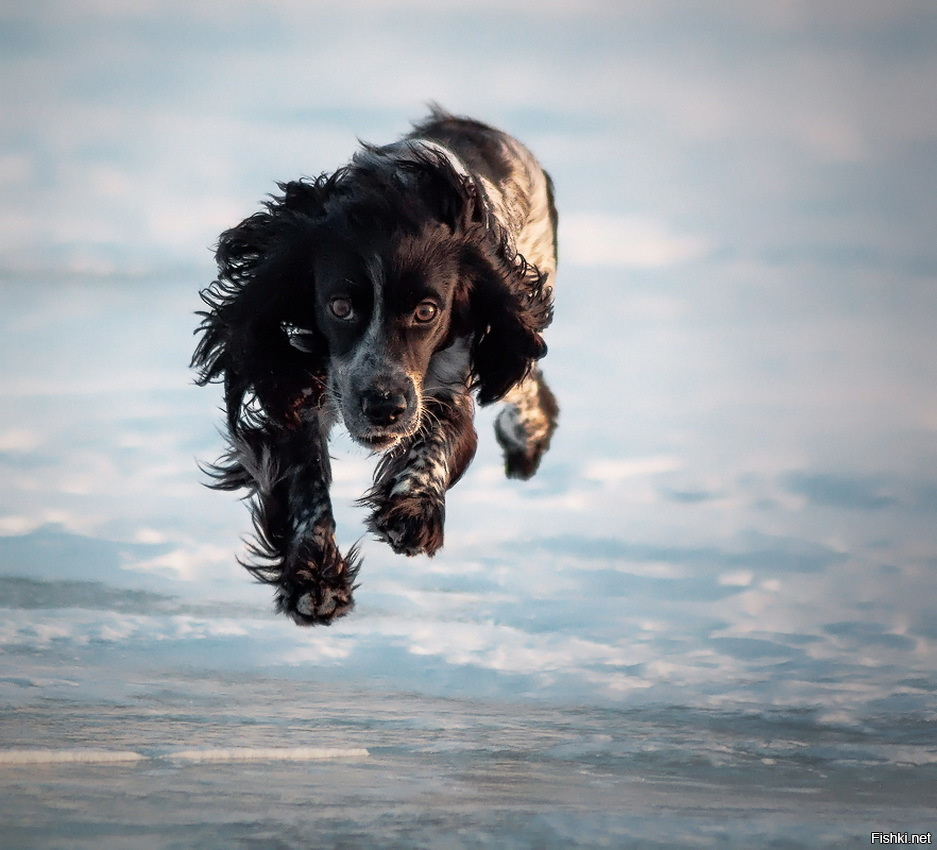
[383,408]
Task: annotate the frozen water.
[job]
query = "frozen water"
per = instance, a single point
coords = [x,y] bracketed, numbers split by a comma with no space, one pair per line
[708,621]
[451,772]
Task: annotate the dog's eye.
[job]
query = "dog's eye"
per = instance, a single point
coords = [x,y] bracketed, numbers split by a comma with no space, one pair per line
[425,312]
[341,308]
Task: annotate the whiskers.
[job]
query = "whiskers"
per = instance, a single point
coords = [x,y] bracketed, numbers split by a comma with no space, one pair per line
[331,401]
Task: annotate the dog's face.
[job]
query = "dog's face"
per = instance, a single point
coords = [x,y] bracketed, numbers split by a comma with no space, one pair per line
[385,313]
[361,291]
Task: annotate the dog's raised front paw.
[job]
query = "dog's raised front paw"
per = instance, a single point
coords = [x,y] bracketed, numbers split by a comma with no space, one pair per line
[411,525]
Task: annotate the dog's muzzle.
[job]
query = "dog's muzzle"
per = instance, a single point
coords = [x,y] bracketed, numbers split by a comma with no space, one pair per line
[383,412]
[382,408]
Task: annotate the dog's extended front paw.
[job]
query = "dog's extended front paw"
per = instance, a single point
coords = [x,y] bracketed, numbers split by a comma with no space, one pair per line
[412,525]
[318,594]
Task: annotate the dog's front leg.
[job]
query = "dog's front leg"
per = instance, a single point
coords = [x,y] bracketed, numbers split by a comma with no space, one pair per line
[409,493]
[295,529]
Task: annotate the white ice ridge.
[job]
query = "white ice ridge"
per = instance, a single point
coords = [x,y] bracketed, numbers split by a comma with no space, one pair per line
[269,754]
[83,756]
[10,758]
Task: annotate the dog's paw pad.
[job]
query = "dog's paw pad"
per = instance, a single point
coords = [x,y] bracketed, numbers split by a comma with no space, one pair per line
[322,607]
[318,595]
[325,607]
[411,526]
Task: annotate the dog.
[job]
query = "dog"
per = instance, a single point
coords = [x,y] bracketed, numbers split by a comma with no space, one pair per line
[386,295]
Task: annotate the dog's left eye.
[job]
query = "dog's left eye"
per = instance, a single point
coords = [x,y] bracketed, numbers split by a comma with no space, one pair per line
[341,308]
[425,312]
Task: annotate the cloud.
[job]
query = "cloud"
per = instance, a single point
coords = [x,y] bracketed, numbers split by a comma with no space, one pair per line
[614,470]
[853,492]
[16,440]
[763,555]
[597,239]
[868,634]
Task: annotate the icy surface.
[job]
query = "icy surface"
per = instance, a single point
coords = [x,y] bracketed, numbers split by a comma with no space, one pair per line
[709,620]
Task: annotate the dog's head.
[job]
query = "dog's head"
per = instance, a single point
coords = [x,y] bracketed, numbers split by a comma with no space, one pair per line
[386,306]
[352,287]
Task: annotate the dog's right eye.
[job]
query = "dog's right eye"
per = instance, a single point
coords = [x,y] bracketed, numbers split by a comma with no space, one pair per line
[341,308]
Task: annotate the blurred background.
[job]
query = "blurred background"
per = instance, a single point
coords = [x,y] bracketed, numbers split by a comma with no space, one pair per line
[733,535]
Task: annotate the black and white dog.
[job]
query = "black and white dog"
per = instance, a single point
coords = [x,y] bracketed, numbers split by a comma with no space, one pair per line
[384,295]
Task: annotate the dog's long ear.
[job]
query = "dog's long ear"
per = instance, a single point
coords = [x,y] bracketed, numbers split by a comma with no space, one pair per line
[509,301]
[259,333]
[509,304]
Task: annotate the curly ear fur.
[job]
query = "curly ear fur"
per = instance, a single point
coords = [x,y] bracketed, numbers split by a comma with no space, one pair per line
[265,280]
[508,302]
[510,305]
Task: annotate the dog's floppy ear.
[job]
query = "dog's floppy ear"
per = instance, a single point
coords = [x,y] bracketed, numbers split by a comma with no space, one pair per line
[509,305]
[259,333]
[506,302]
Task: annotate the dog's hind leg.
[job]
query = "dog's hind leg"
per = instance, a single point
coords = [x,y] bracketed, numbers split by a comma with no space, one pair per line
[525,425]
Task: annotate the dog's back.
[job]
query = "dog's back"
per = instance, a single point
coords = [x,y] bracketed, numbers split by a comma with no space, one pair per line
[514,181]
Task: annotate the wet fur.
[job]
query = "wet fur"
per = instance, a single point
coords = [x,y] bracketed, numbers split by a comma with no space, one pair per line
[457,214]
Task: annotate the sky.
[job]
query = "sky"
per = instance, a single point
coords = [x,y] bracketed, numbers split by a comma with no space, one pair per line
[738,508]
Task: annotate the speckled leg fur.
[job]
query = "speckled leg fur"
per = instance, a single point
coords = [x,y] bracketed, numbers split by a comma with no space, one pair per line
[525,425]
[408,496]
